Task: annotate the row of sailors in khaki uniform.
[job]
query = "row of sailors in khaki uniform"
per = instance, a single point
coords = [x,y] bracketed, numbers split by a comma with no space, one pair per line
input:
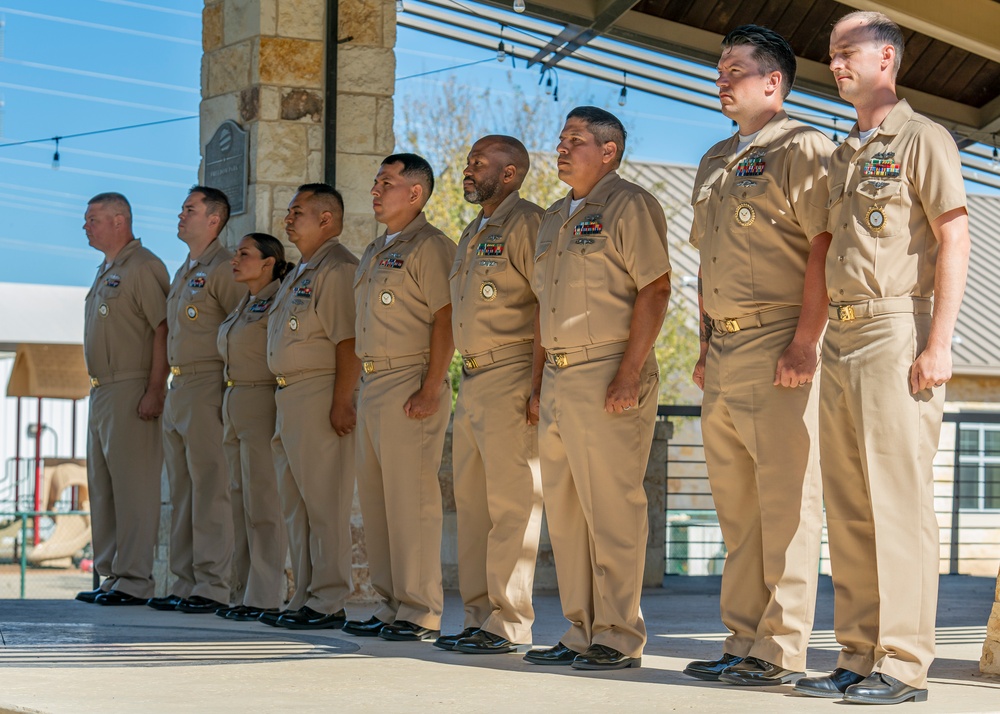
[400,330]
[581,307]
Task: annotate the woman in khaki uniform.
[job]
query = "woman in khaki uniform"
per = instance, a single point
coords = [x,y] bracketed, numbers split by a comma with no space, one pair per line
[248,413]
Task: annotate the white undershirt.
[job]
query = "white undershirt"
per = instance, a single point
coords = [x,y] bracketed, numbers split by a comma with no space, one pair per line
[390,237]
[866,135]
[745,141]
[302,266]
[574,205]
[482,223]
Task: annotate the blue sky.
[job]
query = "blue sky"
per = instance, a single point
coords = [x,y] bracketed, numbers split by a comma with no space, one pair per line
[73,66]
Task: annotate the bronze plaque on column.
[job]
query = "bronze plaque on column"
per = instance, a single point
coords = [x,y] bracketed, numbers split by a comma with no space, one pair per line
[226,165]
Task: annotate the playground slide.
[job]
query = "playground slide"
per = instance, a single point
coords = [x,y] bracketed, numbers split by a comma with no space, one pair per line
[71,532]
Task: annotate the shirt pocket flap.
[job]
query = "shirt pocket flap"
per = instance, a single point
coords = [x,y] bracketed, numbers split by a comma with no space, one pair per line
[584,245]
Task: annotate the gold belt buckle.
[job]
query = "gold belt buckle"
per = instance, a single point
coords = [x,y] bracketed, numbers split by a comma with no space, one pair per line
[282,383]
[175,370]
[560,360]
[732,325]
[95,382]
[470,363]
[369,366]
[230,383]
[845,313]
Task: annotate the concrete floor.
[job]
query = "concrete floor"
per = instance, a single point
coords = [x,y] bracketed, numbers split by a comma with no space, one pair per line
[60,656]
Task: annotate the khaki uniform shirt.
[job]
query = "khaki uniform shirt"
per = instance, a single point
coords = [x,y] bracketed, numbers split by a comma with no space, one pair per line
[313,311]
[883,197]
[590,266]
[126,304]
[242,339]
[755,215]
[398,288]
[200,298]
[491,297]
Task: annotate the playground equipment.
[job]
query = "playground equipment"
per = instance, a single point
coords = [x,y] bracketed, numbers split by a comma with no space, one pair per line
[43,487]
[71,532]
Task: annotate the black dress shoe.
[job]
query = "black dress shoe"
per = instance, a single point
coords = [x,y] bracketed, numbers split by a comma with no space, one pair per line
[309,619]
[447,642]
[250,613]
[755,672]
[832,686]
[604,657]
[406,631]
[89,595]
[558,655]
[367,628]
[116,597]
[709,670]
[198,605]
[271,617]
[170,602]
[483,642]
[880,688]
[225,612]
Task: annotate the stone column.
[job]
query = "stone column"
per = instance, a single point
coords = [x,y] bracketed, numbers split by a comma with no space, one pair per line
[264,67]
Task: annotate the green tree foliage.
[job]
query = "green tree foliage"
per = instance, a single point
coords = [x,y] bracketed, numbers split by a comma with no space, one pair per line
[442,127]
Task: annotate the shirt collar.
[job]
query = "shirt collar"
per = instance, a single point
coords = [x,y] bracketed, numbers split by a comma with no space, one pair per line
[890,126]
[123,255]
[410,230]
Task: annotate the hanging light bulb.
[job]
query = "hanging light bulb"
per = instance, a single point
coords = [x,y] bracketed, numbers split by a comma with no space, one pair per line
[399,6]
[55,156]
[836,138]
[548,84]
[555,94]
[518,5]
[501,50]
[623,95]
[996,155]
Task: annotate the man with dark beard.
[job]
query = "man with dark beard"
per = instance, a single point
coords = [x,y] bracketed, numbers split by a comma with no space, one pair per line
[498,491]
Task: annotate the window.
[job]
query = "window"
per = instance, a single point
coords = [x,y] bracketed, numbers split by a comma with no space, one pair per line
[979,466]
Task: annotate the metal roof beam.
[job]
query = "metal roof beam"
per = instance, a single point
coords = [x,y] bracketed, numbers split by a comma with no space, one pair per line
[574,36]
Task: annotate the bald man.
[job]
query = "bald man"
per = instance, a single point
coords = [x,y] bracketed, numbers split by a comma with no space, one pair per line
[498,488]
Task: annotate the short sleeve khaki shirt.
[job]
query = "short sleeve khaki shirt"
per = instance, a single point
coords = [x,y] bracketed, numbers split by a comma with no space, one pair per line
[491,297]
[242,340]
[200,298]
[755,215]
[589,266]
[313,311]
[398,288]
[125,305]
[883,198]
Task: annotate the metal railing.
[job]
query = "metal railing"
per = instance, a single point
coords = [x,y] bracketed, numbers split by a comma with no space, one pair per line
[27,518]
[970,529]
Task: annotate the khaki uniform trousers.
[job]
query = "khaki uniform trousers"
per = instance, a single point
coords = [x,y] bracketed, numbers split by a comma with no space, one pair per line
[315,470]
[201,522]
[762,452]
[398,463]
[877,447]
[124,464]
[498,498]
[593,465]
[249,417]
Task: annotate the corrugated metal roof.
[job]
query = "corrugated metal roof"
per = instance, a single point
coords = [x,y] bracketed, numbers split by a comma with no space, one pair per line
[976,349]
